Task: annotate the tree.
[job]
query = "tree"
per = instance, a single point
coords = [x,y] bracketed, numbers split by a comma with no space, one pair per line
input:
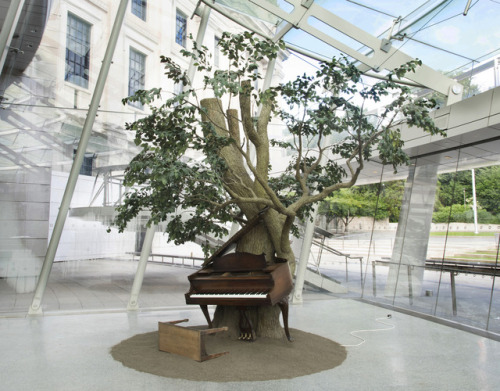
[454,201]
[459,213]
[377,200]
[198,196]
[346,204]
[456,188]
[392,197]
[385,197]
[488,188]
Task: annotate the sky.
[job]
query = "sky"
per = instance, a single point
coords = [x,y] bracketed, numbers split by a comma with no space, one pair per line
[464,41]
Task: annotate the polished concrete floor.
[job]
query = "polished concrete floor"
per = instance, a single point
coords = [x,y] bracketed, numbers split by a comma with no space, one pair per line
[70,350]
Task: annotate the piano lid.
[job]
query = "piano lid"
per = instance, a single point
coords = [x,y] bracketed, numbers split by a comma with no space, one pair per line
[237,236]
[239,262]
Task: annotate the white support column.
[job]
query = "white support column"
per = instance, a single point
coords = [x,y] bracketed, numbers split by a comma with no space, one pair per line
[269,74]
[307,243]
[412,235]
[382,54]
[35,308]
[8,28]
[474,202]
[304,258]
[133,303]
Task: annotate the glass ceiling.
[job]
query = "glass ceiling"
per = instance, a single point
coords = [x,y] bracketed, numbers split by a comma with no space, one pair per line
[435,31]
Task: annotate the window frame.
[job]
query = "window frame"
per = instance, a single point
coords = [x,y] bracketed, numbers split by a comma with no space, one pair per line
[139,8]
[88,163]
[180,22]
[82,27]
[132,70]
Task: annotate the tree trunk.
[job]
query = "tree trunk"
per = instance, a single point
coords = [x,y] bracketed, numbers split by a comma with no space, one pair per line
[265,319]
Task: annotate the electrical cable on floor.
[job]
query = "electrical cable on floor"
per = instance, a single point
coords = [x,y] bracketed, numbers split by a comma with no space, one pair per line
[353,333]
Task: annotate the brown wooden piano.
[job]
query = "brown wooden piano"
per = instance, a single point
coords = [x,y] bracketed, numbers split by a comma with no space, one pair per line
[243,280]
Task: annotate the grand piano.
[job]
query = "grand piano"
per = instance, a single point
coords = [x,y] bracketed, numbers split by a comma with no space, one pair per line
[243,280]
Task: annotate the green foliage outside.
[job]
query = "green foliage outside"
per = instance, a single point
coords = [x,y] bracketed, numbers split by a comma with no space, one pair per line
[454,199]
[382,201]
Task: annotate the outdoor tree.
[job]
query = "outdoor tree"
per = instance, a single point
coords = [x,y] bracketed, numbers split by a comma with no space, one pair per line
[455,195]
[488,188]
[346,204]
[388,197]
[206,162]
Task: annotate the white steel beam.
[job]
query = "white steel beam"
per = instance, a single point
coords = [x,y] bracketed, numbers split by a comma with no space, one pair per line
[133,303]
[382,55]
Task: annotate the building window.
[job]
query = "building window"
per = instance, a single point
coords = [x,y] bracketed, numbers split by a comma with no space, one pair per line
[216,51]
[77,51]
[139,8]
[137,74]
[180,29]
[87,164]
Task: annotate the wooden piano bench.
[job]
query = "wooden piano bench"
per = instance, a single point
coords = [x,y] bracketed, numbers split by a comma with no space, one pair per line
[185,341]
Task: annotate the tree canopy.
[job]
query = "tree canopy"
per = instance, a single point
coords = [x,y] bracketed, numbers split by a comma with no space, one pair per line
[454,199]
[205,162]
[378,200]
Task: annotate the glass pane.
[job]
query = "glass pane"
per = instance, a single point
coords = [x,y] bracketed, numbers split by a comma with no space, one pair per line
[77,51]
[139,8]
[137,75]
[380,241]
[41,124]
[248,8]
[180,29]
[494,311]
[471,247]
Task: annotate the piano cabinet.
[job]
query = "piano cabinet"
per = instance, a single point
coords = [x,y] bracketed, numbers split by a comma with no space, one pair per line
[243,281]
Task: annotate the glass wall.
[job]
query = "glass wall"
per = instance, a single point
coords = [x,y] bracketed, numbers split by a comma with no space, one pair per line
[44,103]
[441,258]
[443,269]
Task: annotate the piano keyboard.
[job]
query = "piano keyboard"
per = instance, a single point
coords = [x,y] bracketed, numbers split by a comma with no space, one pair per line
[252,295]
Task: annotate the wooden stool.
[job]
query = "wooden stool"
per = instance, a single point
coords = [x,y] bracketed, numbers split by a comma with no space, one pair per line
[185,341]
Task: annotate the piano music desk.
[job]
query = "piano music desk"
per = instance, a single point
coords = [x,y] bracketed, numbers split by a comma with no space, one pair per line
[185,341]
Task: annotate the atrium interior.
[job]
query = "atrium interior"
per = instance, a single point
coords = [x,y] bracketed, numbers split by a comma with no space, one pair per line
[409,289]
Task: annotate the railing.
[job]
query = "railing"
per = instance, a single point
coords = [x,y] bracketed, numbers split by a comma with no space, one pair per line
[449,266]
[323,246]
[176,260]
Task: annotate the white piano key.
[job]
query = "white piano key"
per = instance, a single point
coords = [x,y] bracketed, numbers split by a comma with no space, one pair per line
[230,295]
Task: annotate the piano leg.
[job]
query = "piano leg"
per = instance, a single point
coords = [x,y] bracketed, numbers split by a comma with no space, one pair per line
[247,332]
[204,309]
[284,311]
